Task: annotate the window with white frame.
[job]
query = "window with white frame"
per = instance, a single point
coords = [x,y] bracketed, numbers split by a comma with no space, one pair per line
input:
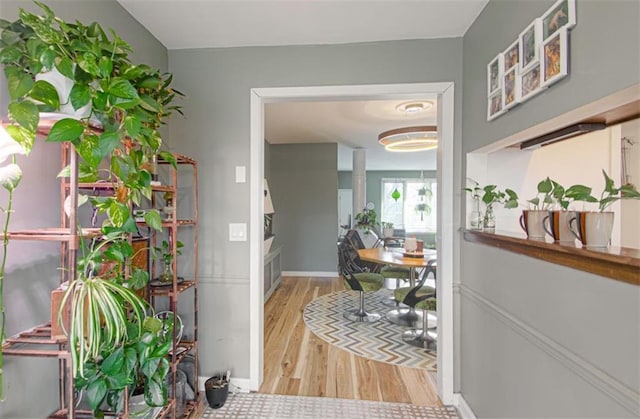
[410,204]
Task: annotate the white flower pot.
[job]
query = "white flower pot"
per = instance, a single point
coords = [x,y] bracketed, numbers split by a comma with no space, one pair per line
[593,229]
[63,86]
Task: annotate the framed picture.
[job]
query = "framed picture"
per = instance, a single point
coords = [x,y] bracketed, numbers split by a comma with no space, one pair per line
[561,15]
[494,105]
[530,82]
[494,75]
[511,91]
[511,56]
[529,42]
[554,58]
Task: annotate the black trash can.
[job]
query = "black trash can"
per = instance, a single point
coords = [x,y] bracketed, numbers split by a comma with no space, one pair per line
[217,390]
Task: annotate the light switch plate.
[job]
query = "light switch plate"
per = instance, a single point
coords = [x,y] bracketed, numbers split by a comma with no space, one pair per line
[241,174]
[237,232]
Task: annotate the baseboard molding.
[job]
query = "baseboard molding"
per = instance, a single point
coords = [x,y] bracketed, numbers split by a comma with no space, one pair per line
[238,385]
[308,274]
[463,408]
[625,396]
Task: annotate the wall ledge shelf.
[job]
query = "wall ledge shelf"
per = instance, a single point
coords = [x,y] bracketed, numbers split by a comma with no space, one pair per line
[619,263]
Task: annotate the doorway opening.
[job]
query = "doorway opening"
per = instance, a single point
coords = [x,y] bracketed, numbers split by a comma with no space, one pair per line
[446,223]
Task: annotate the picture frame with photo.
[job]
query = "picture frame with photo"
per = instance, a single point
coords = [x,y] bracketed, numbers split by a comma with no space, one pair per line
[495,105]
[494,75]
[511,56]
[510,88]
[561,15]
[530,81]
[554,58]
[529,41]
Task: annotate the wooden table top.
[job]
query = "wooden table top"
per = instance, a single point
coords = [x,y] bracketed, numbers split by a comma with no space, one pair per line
[396,257]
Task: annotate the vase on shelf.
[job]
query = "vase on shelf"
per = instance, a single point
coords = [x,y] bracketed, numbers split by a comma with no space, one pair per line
[489,220]
[166,275]
[475,217]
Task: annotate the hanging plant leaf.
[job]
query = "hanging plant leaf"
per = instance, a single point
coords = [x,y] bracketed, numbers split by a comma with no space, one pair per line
[395,194]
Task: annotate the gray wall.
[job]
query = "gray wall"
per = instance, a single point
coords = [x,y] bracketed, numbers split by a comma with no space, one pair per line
[32,268]
[304,192]
[216,132]
[537,339]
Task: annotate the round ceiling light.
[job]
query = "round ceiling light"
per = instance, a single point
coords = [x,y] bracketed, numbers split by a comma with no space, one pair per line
[415,107]
[410,139]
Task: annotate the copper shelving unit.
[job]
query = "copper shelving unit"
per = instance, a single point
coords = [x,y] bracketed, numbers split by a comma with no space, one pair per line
[172,292]
[38,342]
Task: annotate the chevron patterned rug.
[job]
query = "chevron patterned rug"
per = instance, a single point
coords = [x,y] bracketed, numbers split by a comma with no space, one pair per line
[263,406]
[379,341]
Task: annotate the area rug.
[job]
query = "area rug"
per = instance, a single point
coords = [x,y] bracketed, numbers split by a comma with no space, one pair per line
[254,405]
[380,341]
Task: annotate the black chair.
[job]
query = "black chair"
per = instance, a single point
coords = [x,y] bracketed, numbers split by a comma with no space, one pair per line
[422,298]
[357,279]
[354,242]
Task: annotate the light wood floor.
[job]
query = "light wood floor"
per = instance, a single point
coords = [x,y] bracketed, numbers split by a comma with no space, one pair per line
[296,362]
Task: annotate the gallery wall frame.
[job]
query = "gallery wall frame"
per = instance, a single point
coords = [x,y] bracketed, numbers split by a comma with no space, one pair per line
[561,15]
[529,42]
[494,75]
[554,58]
[537,59]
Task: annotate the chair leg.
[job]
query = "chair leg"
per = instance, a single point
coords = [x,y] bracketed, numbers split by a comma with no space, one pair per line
[422,338]
[360,314]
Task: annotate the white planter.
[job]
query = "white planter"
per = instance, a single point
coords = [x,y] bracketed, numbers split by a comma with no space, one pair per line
[63,86]
[532,222]
[387,232]
[593,229]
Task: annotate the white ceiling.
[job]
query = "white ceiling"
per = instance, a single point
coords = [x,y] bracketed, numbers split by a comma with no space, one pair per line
[180,24]
[351,124]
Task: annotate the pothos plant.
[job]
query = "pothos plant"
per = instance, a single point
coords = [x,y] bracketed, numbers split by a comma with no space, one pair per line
[609,194]
[52,65]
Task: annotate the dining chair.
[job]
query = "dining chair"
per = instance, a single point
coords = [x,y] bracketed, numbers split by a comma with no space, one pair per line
[399,273]
[423,298]
[410,296]
[356,279]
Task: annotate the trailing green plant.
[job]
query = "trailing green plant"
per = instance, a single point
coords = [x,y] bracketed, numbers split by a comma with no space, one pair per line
[125,105]
[609,194]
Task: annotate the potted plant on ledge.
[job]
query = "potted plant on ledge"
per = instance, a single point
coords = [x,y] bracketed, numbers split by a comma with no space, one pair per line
[594,228]
[491,196]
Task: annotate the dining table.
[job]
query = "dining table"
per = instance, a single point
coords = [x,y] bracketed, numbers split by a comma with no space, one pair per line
[400,257]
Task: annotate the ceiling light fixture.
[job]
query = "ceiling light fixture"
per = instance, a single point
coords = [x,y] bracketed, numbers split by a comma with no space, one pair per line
[414,107]
[410,139]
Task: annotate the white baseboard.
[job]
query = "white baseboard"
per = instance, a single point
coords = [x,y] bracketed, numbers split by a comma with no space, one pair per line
[463,408]
[238,385]
[307,274]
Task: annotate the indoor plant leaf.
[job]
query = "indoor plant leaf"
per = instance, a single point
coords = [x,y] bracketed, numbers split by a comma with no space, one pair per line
[96,391]
[114,362]
[45,92]
[66,129]
[19,83]
[25,113]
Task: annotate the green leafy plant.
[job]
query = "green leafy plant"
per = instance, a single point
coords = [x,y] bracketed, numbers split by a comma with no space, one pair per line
[116,109]
[544,200]
[164,252]
[366,219]
[609,195]
[386,224]
[110,332]
[492,195]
